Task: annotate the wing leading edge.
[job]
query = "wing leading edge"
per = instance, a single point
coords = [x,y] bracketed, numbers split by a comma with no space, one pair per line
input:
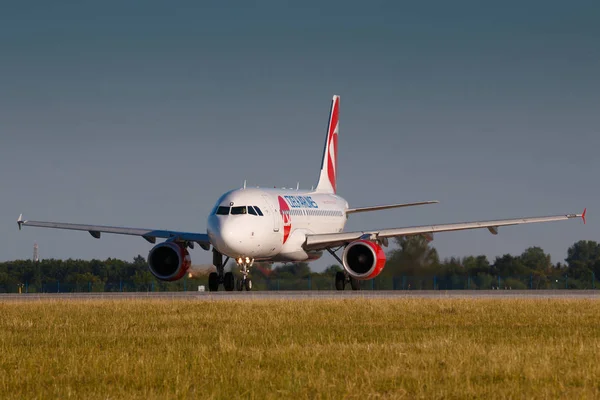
[323,241]
[148,234]
[388,206]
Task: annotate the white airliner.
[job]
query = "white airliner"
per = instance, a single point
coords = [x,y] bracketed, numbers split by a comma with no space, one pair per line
[285,225]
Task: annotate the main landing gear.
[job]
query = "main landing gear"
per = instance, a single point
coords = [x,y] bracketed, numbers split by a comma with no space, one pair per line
[245,282]
[227,278]
[216,278]
[342,278]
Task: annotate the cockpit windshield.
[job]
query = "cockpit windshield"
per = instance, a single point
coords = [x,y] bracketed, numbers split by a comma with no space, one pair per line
[222,210]
[238,210]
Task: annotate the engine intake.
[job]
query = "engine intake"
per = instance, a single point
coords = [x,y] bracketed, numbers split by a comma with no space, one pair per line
[169,261]
[363,259]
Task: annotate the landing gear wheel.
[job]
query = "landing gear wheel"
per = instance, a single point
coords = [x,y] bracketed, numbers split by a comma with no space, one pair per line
[244,263]
[228,281]
[340,280]
[213,282]
[355,283]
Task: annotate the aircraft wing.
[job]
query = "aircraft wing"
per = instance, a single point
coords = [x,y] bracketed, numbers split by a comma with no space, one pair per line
[149,234]
[388,206]
[328,240]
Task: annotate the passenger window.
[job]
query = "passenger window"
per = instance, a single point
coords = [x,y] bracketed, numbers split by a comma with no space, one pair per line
[223,210]
[238,210]
[251,210]
[258,211]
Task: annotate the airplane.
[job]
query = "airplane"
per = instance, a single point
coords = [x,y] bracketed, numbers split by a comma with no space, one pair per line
[285,225]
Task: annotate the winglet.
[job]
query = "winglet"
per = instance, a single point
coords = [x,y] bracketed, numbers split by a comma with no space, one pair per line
[20,221]
[583,215]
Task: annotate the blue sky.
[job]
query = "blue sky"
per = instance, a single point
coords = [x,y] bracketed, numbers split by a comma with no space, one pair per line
[143,113]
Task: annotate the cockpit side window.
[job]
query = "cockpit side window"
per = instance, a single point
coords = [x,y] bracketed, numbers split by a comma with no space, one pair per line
[252,211]
[221,210]
[258,211]
[239,210]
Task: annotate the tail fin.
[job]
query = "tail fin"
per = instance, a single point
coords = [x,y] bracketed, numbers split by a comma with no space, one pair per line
[328,178]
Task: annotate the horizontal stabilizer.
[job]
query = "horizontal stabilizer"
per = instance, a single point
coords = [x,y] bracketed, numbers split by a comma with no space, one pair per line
[385,207]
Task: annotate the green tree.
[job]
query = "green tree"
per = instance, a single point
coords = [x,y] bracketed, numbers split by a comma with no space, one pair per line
[476,264]
[415,256]
[510,266]
[295,270]
[332,270]
[536,259]
[583,259]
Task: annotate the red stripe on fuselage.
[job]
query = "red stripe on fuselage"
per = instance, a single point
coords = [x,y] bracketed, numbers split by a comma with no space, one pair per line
[284,209]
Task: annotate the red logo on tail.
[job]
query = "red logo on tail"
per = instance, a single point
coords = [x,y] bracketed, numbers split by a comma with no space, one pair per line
[332,144]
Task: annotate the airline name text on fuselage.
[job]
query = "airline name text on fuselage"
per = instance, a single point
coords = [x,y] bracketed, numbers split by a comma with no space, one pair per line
[301,202]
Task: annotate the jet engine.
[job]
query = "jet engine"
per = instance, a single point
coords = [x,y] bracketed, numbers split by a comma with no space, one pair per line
[363,259]
[169,261]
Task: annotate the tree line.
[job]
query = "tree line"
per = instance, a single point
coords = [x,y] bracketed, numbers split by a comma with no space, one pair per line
[413,264]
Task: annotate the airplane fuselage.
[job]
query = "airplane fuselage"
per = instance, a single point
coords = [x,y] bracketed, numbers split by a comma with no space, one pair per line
[271,224]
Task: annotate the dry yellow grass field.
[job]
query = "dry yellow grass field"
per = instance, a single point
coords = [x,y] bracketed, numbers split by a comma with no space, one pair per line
[359,348]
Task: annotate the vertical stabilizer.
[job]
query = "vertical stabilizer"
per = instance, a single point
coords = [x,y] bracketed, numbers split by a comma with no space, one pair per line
[328,178]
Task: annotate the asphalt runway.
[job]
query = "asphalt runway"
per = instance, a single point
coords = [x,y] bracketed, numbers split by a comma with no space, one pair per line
[303,295]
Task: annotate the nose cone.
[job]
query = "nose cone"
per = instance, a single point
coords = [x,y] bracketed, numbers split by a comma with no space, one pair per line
[231,236]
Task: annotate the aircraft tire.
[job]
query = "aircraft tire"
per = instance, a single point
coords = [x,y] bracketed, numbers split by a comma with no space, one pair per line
[355,283]
[213,282]
[340,280]
[228,281]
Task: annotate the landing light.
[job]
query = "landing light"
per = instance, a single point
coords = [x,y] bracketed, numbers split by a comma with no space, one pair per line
[247,260]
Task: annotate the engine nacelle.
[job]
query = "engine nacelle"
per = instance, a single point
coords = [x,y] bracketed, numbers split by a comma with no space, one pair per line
[363,259]
[169,261]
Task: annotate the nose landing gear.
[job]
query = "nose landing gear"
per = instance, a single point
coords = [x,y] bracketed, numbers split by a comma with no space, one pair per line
[227,278]
[245,282]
